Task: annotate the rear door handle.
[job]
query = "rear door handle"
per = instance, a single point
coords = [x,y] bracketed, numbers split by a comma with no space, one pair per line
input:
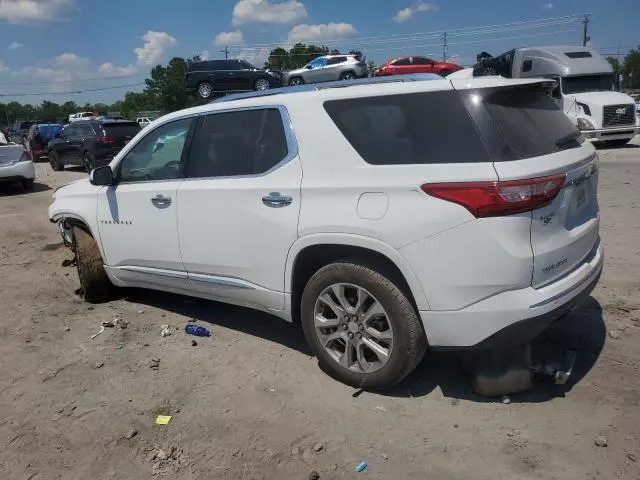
[276,200]
[160,201]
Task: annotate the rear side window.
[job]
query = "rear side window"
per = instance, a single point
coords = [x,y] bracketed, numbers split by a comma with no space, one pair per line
[421,61]
[336,60]
[518,123]
[401,61]
[419,128]
[240,143]
[121,130]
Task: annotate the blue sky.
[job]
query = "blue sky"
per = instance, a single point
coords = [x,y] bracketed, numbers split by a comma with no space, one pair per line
[53,46]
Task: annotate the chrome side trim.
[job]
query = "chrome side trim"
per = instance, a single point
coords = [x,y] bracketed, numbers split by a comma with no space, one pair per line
[220,281]
[153,271]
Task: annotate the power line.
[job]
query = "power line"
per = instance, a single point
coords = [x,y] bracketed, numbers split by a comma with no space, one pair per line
[71,91]
[120,77]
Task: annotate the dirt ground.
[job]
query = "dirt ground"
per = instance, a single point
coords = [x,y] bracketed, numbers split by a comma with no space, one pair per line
[251,403]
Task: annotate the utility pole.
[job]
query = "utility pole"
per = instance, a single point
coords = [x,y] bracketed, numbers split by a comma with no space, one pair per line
[226,52]
[585,37]
[444,48]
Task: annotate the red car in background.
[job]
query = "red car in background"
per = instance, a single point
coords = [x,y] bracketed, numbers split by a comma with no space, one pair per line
[405,65]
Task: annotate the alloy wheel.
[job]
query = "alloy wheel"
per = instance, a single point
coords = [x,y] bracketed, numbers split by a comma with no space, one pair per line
[349,76]
[262,84]
[353,328]
[205,90]
[295,82]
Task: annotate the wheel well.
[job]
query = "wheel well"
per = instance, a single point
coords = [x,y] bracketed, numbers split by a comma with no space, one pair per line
[313,258]
[348,71]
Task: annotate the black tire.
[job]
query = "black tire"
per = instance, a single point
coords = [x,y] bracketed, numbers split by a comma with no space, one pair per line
[28,184]
[94,282]
[292,81]
[409,340]
[261,81]
[205,90]
[87,162]
[617,143]
[445,73]
[54,161]
[348,76]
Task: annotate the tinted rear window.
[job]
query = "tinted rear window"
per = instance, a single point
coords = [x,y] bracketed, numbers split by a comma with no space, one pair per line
[119,130]
[518,123]
[409,129]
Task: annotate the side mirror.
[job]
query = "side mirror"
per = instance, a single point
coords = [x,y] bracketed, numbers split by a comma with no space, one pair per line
[309,67]
[101,176]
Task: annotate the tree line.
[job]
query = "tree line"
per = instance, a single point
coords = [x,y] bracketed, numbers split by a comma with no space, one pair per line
[629,68]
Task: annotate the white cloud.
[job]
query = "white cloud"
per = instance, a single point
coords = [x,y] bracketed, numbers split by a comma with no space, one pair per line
[229,38]
[112,70]
[3,67]
[405,14]
[26,11]
[261,11]
[255,57]
[547,6]
[324,31]
[15,46]
[155,44]
[205,55]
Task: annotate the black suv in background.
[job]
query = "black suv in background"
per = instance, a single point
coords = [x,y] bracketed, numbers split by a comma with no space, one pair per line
[91,143]
[212,76]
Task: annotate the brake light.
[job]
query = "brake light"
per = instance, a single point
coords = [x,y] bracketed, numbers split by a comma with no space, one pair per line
[26,156]
[496,199]
[104,140]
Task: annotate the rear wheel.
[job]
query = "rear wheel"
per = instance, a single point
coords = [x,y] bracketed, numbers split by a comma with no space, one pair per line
[94,282]
[296,81]
[262,84]
[348,76]
[617,143]
[205,90]
[55,162]
[361,327]
[87,162]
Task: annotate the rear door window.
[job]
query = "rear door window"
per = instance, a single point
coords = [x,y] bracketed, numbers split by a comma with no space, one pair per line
[240,143]
[418,128]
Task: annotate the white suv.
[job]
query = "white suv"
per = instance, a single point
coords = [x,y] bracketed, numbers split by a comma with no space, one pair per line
[385,216]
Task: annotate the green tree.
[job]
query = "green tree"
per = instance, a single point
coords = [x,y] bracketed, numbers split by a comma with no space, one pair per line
[167,85]
[631,69]
[615,64]
[278,59]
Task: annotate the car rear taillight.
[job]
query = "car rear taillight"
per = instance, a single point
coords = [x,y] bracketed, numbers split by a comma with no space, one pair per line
[26,156]
[104,140]
[496,199]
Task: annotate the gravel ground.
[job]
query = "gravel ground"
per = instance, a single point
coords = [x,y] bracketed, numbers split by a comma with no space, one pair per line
[250,402]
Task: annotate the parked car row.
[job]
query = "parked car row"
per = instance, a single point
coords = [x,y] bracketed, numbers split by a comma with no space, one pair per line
[212,76]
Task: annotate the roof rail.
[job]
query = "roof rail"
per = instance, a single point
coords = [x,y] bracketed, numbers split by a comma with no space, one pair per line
[417,77]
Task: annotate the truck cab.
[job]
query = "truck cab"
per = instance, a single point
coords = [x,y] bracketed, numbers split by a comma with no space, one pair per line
[585,88]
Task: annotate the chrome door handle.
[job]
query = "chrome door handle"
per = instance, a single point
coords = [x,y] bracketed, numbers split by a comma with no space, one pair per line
[276,200]
[160,201]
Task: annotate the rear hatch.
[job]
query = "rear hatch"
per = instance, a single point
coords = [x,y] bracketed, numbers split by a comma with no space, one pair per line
[529,137]
[118,134]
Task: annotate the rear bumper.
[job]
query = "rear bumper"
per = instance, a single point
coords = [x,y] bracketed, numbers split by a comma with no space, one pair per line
[604,134]
[17,172]
[513,317]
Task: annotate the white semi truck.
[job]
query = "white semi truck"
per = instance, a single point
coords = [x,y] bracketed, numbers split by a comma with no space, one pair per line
[585,87]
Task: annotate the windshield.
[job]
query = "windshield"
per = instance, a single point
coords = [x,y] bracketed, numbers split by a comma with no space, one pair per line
[587,83]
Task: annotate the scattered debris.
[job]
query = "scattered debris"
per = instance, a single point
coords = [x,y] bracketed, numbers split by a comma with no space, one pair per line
[194,343]
[119,346]
[380,409]
[91,307]
[68,262]
[27,340]
[145,344]
[67,329]
[295,451]
[455,401]
[197,331]
[631,457]
[506,399]
[99,332]
[119,322]
[140,312]
[314,475]
[172,457]
[99,364]
[162,419]
[165,332]
[154,364]
[318,447]
[615,334]
[131,433]
[109,323]
[361,466]
[384,456]
[357,393]
[601,441]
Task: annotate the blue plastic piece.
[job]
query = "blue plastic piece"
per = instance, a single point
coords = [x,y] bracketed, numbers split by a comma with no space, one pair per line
[361,466]
[417,77]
